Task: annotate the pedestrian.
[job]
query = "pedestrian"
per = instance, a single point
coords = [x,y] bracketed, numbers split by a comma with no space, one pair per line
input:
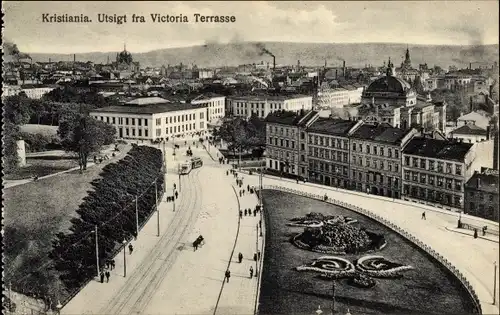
[243,191]
[176,195]
[255,257]
[475,233]
[130,248]
[108,264]
[258,255]
[254,212]
[107,276]
[297,180]
[248,187]
[245,212]
[251,272]
[227,173]
[240,257]
[175,186]
[112,264]
[228,275]
[102,276]
[260,224]
[423,216]
[240,193]
[241,214]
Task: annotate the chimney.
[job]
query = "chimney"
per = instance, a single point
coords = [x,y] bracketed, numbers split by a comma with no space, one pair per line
[471,105]
[488,132]
[74,57]
[470,65]
[50,60]
[274,63]
[343,69]
[478,183]
[336,74]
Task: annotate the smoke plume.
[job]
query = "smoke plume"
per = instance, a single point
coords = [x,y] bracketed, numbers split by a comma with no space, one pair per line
[11,50]
[263,50]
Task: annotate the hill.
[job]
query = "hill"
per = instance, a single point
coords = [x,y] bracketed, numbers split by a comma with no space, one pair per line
[308,54]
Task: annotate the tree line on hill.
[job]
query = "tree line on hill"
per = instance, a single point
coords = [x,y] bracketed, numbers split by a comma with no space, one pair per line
[111,207]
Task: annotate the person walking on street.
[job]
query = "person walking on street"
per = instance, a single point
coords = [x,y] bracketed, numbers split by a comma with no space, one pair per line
[260,224]
[251,272]
[245,212]
[240,193]
[227,173]
[130,249]
[240,257]
[107,276]
[297,180]
[254,212]
[255,257]
[228,275]
[102,276]
[423,216]
[248,187]
[108,264]
[241,214]
[112,264]
[258,255]
[176,195]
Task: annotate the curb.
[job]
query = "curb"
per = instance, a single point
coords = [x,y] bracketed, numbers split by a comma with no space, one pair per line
[471,235]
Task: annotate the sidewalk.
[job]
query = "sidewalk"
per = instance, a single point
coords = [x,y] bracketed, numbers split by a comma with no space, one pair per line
[240,294]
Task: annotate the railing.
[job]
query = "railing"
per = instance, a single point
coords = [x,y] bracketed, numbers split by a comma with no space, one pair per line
[398,230]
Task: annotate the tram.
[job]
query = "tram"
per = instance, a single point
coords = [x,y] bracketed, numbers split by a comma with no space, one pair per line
[185,168]
[196,162]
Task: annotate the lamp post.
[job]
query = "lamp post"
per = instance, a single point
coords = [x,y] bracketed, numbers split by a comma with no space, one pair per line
[333,297]
[59,307]
[157,210]
[97,251]
[136,217]
[257,251]
[494,283]
[124,242]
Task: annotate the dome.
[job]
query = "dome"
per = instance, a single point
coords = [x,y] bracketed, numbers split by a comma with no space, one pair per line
[389,84]
[124,57]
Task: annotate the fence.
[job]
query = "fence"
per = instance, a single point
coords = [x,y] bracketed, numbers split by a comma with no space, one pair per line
[398,230]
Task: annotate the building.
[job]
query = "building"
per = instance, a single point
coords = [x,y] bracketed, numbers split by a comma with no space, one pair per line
[153,118]
[481,195]
[479,119]
[37,92]
[375,158]
[339,97]
[245,106]
[406,71]
[285,134]
[470,133]
[215,105]
[435,171]
[327,151]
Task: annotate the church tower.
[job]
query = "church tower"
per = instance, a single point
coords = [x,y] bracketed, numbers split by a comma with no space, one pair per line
[407,63]
[390,69]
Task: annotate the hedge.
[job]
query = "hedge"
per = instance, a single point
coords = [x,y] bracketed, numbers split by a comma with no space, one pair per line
[111,206]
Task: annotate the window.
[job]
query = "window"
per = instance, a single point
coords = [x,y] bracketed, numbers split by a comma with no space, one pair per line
[407,175]
[133,121]
[458,169]
[287,143]
[302,147]
[440,167]
[133,132]
[126,121]
[396,154]
[354,146]
[448,168]
[414,176]
[440,181]
[381,151]
[368,149]
[422,178]
[407,160]
[139,121]
[113,120]
[374,150]
[415,162]
[302,135]
[158,132]
[458,185]
[396,168]
[127,132]
[107,120]
[390,167]
[431,165]
[422,163]
[431,180]
[281,142]
[140,132]
[146,124]
[448,183]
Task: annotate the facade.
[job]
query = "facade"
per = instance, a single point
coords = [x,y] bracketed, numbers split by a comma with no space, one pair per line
[37,92]
[328,151]
[154,118]
[245,106]
[215,105]
[470,134]
[339,97]
[285,139]
[474,118]
[435,171]
[481,195]
[375,153]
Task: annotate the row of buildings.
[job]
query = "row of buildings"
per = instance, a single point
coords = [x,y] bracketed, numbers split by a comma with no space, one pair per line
[375,158]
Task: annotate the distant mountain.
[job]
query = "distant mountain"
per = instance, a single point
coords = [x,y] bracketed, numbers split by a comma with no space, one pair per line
[309,54]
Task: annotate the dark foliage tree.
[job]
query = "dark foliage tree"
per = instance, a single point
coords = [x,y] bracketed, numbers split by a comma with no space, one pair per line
[84,135]
[16,111]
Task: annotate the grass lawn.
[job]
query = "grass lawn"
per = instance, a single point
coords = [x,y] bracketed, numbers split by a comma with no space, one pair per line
[40,129]
[42,166]
[428,289]
[33,214]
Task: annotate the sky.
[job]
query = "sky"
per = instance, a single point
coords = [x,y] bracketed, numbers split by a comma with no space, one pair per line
[420,22]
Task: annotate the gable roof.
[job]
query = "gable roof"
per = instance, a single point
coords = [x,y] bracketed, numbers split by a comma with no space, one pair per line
[330,126]
[470,130]
[439,149]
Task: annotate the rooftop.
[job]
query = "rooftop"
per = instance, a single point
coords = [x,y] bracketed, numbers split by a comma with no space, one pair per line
[380,133]
[439,149]
[288,117]
[147,101]
[470,130]
[331,126]
[483,182]
[268,97]
[147,108]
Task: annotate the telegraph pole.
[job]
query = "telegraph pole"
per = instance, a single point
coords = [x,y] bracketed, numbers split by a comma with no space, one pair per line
[333,297]
[97,251]
[157,209]
[179,171]
[136,217]
[257,251]
[164,167]
[494,283]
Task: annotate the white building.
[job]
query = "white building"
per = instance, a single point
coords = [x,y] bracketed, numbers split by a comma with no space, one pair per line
[339,97]
[215,105]
[38,92]
[154,118]
[470,133]
[245,106]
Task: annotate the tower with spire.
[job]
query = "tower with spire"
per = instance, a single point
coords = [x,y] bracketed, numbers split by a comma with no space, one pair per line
[390,69]
[407,62]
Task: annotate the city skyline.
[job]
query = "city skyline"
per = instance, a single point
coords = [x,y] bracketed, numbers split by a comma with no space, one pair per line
[415,23]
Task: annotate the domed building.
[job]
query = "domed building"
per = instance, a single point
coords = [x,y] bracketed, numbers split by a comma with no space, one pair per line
[392,100]
[125,65]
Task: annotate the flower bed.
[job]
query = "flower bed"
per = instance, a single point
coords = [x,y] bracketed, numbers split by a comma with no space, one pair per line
[330,266]
[362,281]
[379,267]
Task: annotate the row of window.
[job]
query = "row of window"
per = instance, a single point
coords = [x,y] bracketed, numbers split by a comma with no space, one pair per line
[250,113]
[130,132]
[375,178]
[433,166]
[433,180]
[177,129]
[329,142]
[329,154]
[327,167]
[376,164]
[480,195]
[288,132]
[179,118]
[381,151]
[432,195]
[284,143]
[281,154]
[123,121]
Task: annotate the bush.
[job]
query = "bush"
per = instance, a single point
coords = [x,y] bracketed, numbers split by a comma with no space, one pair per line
[111,207]
[37,142]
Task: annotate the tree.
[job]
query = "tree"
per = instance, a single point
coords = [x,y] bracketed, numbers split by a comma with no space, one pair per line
[84,135]
[16,112]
